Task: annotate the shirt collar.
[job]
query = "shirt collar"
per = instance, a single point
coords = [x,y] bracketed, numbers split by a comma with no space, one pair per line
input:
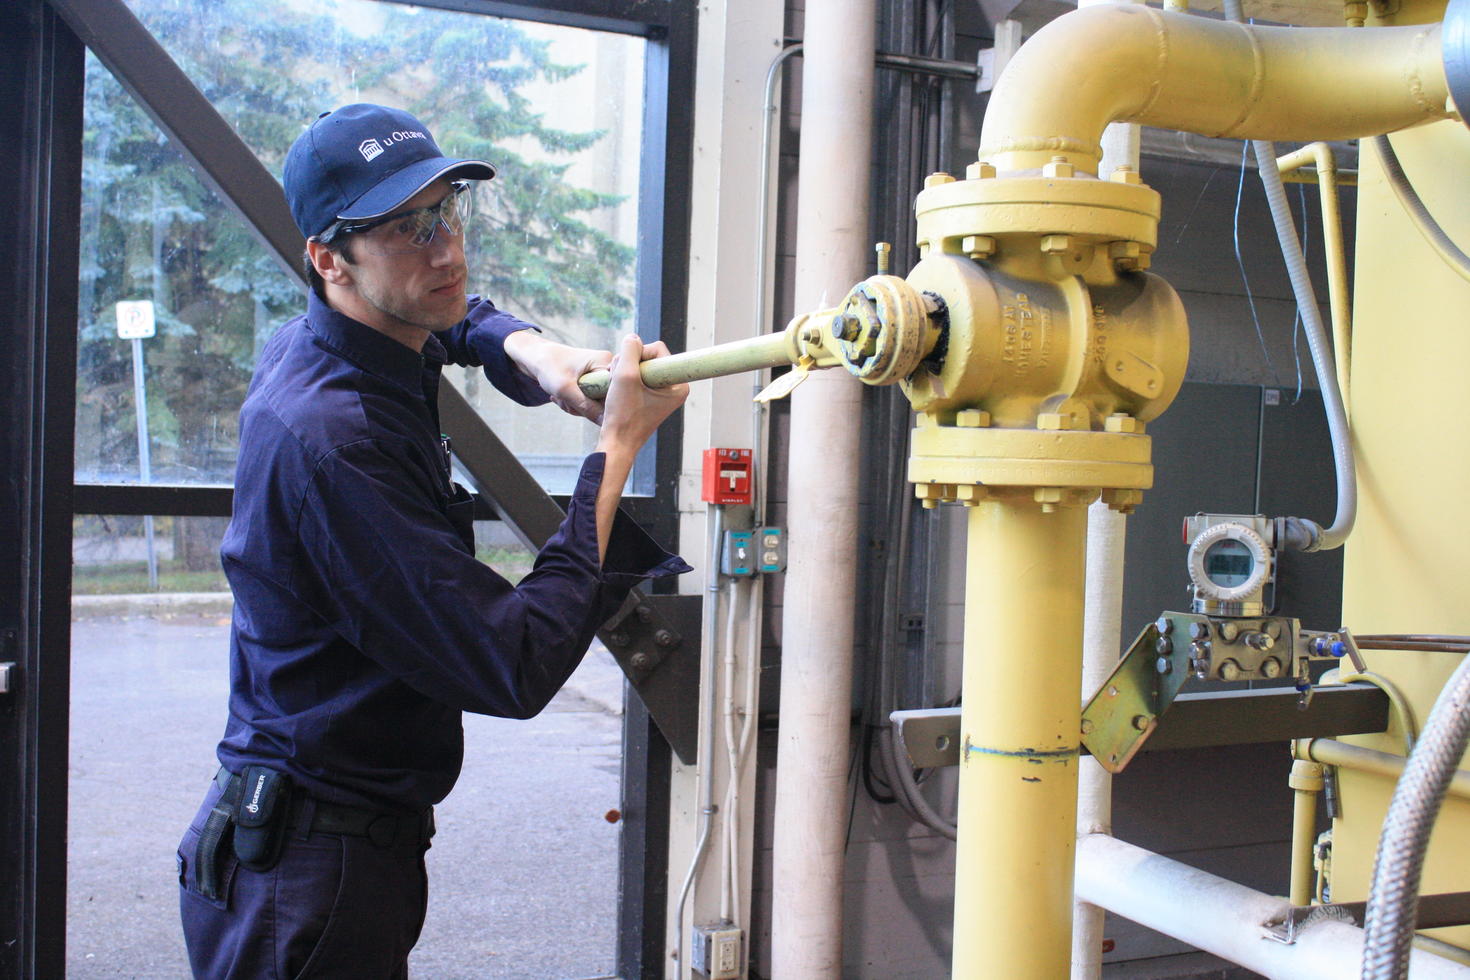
[372,350]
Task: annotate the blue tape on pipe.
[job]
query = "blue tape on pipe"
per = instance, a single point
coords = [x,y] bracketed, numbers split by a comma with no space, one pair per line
[1456,53]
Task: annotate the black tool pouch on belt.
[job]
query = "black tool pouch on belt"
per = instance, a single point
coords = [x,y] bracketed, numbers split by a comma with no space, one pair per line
[262,817]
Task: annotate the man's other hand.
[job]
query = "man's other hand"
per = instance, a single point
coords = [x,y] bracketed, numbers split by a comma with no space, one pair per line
[632,410]
[556,368]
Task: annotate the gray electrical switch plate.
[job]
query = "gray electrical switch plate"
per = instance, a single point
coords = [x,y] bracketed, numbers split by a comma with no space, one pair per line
[738,556]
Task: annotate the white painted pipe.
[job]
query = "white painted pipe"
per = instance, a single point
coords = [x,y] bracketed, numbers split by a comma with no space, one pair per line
[1224,918]
[816,649]
[1102,620]
[1102,628]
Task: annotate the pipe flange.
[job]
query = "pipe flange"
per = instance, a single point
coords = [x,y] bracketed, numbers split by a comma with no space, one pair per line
[884,330]
[1079,205]
[945,455]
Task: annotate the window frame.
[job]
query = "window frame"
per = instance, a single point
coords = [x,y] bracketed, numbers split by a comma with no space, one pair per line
[46,76]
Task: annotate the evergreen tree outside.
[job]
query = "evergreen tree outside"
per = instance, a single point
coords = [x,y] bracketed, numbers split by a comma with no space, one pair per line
[150,230]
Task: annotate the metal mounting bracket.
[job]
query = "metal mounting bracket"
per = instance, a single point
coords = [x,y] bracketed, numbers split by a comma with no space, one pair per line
[1126,709]
[655,639]
[1435,912]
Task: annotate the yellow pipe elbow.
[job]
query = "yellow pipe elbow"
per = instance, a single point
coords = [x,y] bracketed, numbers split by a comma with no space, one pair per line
[1133,63]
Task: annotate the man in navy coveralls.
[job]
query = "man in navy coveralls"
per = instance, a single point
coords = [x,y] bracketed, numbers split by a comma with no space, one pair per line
[363,625]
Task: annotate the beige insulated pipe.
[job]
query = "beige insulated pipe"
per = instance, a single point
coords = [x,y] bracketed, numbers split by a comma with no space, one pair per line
[1113,63]
[832,253]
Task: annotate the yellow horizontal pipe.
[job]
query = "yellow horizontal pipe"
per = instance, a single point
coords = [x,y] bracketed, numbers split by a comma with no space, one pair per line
[1133,63]
[767,350]
[1331,752]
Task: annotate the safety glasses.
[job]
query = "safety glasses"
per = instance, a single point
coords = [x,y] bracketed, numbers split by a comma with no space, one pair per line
[406,232]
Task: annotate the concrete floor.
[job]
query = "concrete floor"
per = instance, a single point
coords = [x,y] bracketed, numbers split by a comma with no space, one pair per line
[523,871]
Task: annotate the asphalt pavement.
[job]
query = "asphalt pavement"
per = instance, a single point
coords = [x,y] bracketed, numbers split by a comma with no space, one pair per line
[522,872]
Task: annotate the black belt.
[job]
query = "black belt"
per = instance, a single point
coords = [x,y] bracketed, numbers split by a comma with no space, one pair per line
[383,829]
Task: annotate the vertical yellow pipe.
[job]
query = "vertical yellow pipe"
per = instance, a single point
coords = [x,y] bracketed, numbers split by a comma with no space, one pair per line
[1306,782]
[1337,284]
[1020,728]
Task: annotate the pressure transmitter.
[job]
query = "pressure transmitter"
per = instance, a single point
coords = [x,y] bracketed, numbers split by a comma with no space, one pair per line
[1231,563]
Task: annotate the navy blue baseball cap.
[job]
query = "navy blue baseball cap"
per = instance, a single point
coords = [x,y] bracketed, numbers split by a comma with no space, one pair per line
[362,161]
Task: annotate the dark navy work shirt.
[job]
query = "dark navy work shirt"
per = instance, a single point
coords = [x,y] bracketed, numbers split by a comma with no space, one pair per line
[363,624]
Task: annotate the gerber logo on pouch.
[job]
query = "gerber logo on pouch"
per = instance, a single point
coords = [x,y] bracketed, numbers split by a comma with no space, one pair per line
[261,817]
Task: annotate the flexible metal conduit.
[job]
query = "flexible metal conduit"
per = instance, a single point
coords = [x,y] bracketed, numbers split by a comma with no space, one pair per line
[1338,300]
[1137,64]
[1224,918]
[1302,534]
[1393,896]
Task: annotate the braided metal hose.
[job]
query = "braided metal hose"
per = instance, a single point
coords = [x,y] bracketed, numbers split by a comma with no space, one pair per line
[1394,895]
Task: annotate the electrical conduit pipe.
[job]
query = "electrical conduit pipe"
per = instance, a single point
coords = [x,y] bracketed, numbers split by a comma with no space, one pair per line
[817,638]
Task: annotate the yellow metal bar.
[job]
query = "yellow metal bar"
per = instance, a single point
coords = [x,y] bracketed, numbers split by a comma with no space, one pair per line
[1306,783]
[1020,727]
[768,350]
[1337,285]
[1334,753]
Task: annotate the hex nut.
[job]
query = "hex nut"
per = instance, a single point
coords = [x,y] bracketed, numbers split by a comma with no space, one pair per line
[1271,667]
[1164,645]
[935,179]
[1199,630]
[972,418]
[1054,421]
[1164,625]
[1125,175]
[1055,244]
[1122,422]
[1229,670]
[1058,167]
[1228,632]
[977,246]
[1164,665]
[980,170]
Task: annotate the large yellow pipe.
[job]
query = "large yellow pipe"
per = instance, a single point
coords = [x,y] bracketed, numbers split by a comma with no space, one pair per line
[1020,726]
[1127,63]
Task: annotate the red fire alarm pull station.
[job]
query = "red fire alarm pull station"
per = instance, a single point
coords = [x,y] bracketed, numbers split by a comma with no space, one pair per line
[727,476]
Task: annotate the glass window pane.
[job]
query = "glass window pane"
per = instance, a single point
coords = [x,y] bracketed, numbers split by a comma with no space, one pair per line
[158,241]
[557,109]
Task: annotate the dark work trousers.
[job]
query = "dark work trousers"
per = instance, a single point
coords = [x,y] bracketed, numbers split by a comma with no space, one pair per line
[335,906]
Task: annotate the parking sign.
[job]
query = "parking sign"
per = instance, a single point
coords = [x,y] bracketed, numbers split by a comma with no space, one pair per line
[135,319]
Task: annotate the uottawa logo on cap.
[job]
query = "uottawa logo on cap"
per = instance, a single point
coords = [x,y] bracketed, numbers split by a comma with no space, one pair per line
[370,148]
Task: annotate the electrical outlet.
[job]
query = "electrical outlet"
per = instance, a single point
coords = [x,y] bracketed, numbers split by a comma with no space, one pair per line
[715,950]
[771,549]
